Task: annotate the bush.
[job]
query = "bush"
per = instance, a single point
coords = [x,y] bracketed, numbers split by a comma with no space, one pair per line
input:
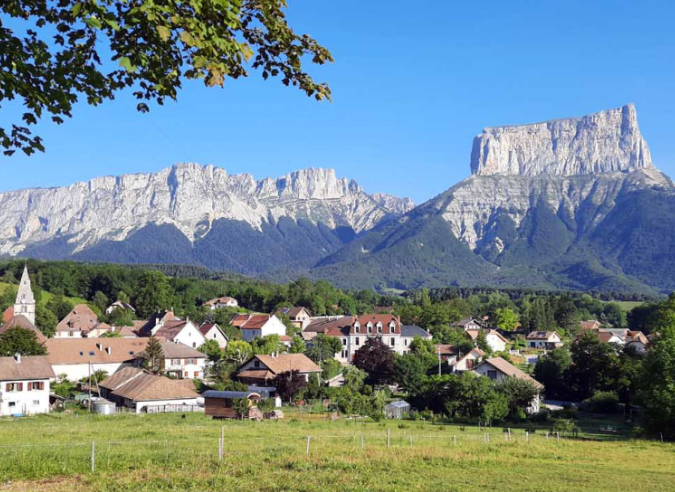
[603,402]
[565,427]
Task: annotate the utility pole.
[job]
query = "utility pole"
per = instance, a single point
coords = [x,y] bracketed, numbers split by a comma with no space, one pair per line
[439,360]
[89,385]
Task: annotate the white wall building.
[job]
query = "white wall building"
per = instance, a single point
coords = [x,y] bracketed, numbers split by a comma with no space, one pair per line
[258,325]
[180,331]
[222,302]
[211,331]
[24,385]
[25,301]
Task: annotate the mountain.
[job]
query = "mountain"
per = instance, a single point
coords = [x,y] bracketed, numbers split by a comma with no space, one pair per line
[573,203]
[192,214]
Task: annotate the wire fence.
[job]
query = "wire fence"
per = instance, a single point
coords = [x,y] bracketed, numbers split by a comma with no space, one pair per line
[38,460]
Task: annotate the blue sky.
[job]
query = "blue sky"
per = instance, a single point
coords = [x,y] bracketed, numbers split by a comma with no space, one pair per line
[412,86]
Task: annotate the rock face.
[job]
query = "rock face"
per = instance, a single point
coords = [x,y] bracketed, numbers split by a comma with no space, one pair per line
[547,205]
[603,142]
[188,197]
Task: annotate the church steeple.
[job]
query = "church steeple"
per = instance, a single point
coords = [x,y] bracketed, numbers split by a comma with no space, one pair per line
[25,301]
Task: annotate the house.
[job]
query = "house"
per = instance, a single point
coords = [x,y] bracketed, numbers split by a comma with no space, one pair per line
[469,324]
[180,361]
[120,305]
[24,385]
[493,338]
[591,324]
[408,334]
[300,317]
[21,321]
[150,326]
[468,361]
[499,369]
[220,404]
[637,340]
[447,353]
[608,336]
[262,369]
[76,357]
[211,331]
[258,325]
[221,302]
[547,340]
[77,323]
[136,389]
[180,331]
[124,331]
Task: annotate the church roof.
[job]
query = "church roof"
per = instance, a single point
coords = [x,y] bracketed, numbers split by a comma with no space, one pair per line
[23,322]
[25,293]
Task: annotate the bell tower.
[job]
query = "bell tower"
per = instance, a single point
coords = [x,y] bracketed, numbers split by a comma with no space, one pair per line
[25,302]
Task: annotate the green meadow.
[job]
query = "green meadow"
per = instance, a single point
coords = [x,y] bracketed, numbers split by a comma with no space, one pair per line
[169,453]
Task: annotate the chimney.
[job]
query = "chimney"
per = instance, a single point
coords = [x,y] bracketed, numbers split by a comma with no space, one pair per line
[17,358]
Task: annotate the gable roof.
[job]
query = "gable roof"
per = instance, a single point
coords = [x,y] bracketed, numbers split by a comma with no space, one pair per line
[467,320]
[414,331]
[510,370]
[250,321]
[445,349]
[148,387]
[288,362]
[219,300]
[30,367]
[606,336]
[151,322]
[293,312]
[171,329]
[122,305]
[21,321]
[81,318]
[475,352]
[541,335]
[329,323]
[122,376]
[591,324]
[175,350]
[63,351]
[206,327]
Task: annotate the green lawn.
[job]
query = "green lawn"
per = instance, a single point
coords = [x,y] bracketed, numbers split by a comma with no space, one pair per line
[168,453]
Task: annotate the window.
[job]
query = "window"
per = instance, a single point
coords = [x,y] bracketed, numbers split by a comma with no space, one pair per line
[392,327]
[344,342]
[12,404]
[405,342]
[194,344]
[370,328]
[186,374]
[379,327]
[196,374]
[256,363]
[344,354]
[131,352]
[91,352]
[36,385]
[36,403]
[13,387]
[357,341]
[392,341]
[357,328]
[81,353]
[492,374]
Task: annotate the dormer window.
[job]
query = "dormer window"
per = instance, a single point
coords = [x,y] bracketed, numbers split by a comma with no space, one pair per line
[379,327]
[392,327]
[357,328]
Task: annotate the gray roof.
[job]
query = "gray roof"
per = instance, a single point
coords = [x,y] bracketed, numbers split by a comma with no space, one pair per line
[413,331]
[228,394]
[30,367]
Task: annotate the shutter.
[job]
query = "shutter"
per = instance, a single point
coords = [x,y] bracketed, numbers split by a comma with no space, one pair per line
[42,385]
[30,386]
[8,387]
[20,386]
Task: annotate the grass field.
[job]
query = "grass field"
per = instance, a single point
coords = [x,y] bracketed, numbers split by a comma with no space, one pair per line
[168,453]
[46,296]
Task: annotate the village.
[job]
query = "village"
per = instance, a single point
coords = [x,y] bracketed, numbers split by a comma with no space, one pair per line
[165,364]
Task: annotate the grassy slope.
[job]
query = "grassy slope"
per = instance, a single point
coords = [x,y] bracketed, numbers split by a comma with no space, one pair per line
[170,453]
[46,296]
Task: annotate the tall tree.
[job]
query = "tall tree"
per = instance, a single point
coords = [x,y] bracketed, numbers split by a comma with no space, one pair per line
[377,360]
[153,356]
[506,319]
[153,293]
[595,366]
[290,385]
[71,49]
[322,348]
[550,371]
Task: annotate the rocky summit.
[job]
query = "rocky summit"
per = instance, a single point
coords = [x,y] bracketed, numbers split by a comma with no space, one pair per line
[193,214]
[573,203]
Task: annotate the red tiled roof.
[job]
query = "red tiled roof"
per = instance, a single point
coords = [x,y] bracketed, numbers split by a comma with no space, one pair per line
[81,318]
[250,321]
[23,322]
[8,314]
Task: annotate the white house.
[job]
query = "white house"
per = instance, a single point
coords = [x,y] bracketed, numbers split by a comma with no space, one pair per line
[180,361]
[134,388]
[408,334]
[24,385]
[211,331]
[467,361]
[300,317]
[499,369]
[120,305]
[222,302]
[73,357]
[493,338]
[469,324]
[544,340]
[258,325]
[179,331]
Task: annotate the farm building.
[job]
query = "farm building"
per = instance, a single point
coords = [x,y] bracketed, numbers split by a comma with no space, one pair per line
[397,409]
[221,404]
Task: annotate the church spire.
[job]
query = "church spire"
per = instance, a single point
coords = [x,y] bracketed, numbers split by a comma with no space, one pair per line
[25,301]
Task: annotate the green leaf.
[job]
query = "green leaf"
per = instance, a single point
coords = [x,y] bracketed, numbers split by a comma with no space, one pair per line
[126,64]
[76,9]
[164,33]
[93,22]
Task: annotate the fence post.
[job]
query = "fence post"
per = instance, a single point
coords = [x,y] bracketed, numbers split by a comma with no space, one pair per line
[166,449]
[309,438]
[557,436]
[547,436]
[93,456]
[454,440]
[411,440]
[527,436]
[388,437]
[363,443]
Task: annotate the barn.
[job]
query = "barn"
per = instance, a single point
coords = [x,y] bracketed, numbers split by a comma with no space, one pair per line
[220,404]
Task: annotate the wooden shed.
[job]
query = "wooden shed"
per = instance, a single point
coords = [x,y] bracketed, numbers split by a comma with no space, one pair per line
[219,404]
